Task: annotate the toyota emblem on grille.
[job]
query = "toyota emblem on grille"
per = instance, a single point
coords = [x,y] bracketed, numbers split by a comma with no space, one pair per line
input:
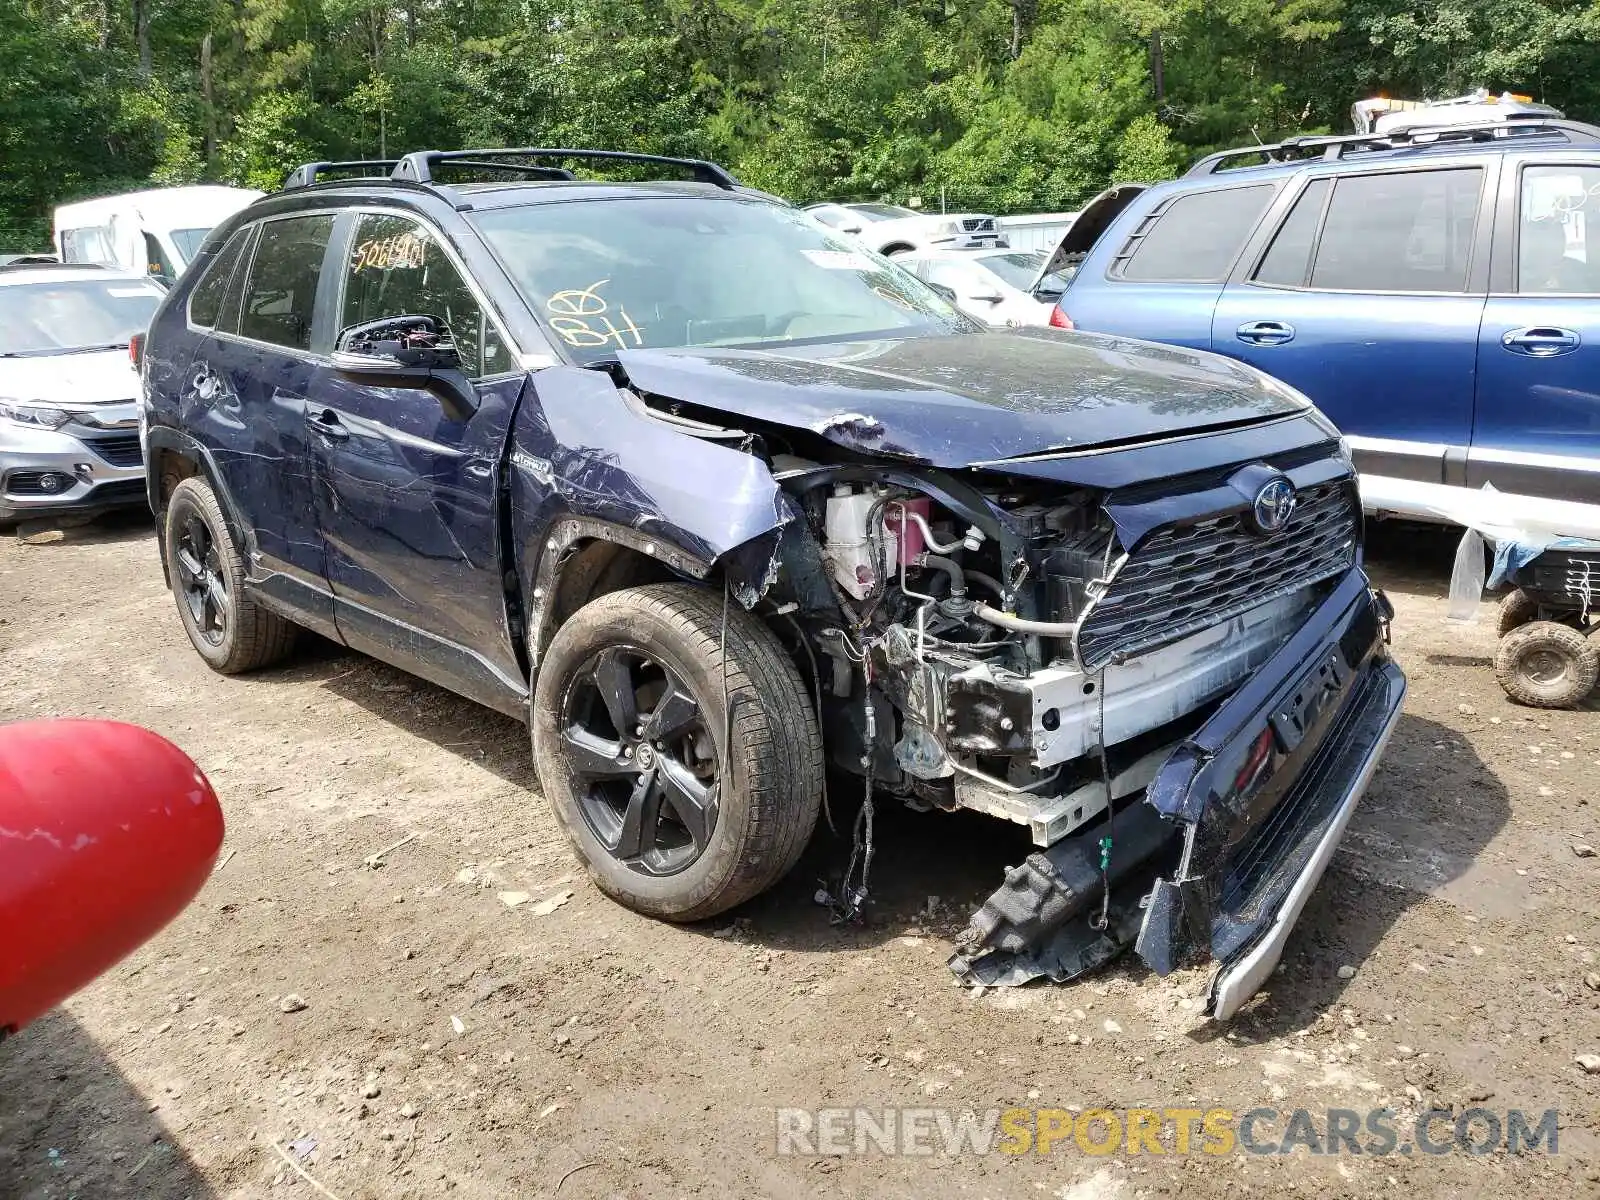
[1273,506]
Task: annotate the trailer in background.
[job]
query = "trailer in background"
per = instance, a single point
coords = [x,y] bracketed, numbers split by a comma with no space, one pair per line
[157,231]
[1037,231]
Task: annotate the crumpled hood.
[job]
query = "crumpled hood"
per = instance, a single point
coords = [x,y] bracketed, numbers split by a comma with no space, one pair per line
[963,399]
[70,380]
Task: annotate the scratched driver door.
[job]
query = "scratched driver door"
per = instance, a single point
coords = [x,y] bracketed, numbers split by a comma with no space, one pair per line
[405,495]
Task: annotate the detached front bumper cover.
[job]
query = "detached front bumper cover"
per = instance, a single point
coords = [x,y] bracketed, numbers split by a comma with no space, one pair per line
[1234,832]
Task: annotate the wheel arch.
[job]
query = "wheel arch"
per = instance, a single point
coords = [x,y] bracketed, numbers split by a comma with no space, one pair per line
[170,458]
[583,558]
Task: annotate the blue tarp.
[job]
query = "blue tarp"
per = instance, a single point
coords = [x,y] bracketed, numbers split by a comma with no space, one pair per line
[1512,556]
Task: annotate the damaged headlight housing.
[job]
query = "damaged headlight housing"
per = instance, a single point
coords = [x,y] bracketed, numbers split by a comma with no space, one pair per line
[33,415]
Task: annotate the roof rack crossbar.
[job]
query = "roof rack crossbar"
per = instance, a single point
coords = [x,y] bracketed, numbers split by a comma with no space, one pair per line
[1337,145]
[418,167]
[1273,151]
[528,170]
[1490,130]
[308,173]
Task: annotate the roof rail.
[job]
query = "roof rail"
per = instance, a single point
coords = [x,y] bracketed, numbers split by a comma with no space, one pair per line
[1334,147]
[1288,150]
[418,167]
[32,262]
[310,173]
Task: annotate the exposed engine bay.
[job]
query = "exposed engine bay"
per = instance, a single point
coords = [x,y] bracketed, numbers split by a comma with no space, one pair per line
[945,695]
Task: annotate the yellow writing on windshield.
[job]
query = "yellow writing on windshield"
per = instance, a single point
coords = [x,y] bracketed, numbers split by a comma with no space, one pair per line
[894,297]
[583,318]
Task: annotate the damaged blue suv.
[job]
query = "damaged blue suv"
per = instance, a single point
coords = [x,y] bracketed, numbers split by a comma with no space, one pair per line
[715,500]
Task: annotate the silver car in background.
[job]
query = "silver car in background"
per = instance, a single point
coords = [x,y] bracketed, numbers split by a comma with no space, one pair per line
[890,229]
[69,412]
[1009,288]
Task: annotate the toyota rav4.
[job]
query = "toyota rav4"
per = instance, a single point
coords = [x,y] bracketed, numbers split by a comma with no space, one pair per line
[713,498]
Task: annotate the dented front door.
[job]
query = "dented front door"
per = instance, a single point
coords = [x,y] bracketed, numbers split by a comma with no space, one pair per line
[407,497]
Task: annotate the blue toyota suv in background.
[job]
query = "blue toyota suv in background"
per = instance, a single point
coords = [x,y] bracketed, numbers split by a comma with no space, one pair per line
[1432,288]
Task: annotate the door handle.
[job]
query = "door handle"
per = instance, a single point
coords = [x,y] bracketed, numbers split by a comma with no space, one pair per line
[327,424]
[1266,333]
[1541,341]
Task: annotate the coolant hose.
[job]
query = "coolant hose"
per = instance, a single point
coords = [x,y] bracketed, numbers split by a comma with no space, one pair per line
[1055,629]
[988,581]
[958,578]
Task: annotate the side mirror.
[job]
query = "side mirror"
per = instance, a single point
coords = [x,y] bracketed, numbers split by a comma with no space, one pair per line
[409,351]
[988,298]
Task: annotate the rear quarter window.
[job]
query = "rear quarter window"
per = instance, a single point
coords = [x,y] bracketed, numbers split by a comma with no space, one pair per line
[1192,238]
[205,300]
[282,288]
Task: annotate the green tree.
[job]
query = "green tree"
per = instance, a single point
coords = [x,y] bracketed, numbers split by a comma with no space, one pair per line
[1004,105]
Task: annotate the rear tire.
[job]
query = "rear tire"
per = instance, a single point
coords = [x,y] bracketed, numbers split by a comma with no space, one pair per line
[228,629]
[1546,665]
[628,732]
[1516,608]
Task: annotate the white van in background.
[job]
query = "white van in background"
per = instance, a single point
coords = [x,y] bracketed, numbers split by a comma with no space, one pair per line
[157,232]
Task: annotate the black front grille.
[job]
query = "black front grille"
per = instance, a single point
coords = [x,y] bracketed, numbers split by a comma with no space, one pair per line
[978,224]
[118,491]
[1185,578]
[120,450]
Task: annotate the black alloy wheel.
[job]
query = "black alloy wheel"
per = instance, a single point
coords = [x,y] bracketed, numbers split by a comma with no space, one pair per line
[643,759]
[677,745]
[200,576]
[207,573]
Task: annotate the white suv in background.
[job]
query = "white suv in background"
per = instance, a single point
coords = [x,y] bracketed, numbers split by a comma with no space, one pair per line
[890,229]
[69,411]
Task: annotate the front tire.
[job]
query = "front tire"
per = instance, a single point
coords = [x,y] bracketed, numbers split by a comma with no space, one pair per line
[630,737]
[228,629]
[1546,665]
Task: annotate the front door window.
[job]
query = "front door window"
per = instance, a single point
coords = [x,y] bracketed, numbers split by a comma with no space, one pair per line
[397,268]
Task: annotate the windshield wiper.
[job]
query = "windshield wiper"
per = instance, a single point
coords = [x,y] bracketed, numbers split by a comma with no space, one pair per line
[49,351]
[94,348]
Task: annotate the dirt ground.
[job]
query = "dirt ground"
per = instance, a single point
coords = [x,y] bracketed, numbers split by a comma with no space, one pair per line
[581,1050]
